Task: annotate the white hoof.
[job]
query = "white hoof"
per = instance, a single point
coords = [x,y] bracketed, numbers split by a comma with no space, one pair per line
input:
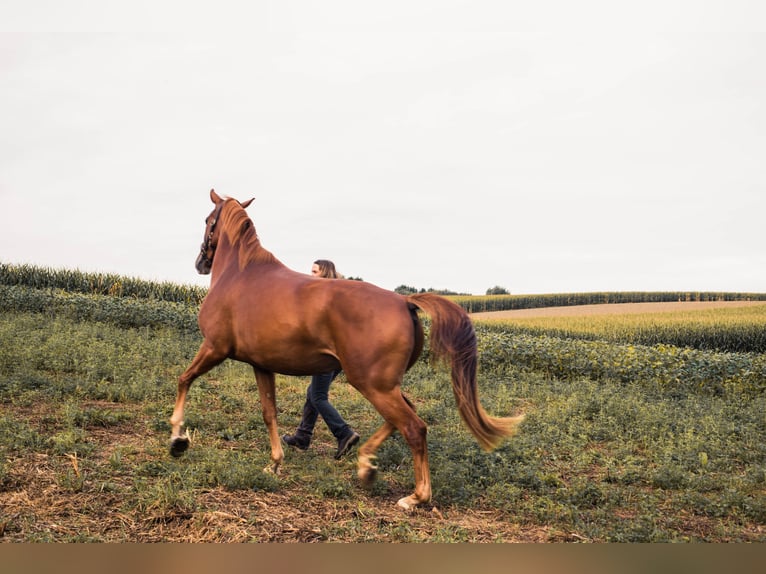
[407,503]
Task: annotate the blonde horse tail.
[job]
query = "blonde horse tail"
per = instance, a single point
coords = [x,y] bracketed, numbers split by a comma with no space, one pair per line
[453,340]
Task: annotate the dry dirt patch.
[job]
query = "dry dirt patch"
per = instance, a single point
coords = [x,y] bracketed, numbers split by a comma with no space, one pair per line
[38,504]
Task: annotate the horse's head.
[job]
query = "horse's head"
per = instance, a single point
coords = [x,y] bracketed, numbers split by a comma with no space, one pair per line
[204,261]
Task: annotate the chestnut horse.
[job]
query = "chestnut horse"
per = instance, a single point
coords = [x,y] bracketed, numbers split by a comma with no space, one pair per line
[280,321]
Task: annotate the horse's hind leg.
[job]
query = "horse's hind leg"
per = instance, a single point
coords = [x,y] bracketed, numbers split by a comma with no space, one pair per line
[206,359]
[399,414]
[367,470]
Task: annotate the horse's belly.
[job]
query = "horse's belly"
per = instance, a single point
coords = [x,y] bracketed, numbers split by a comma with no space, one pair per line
[295,362]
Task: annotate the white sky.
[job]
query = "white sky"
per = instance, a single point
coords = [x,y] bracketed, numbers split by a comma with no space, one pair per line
[544,146]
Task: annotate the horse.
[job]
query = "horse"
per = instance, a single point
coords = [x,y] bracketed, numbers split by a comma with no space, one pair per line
[260,312]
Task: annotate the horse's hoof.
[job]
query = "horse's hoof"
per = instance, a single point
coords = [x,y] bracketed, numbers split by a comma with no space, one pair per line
[368,476]
[178,446]
[407,503]
[367,470]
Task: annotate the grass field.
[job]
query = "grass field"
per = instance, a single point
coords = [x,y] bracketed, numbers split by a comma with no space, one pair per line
[623,441]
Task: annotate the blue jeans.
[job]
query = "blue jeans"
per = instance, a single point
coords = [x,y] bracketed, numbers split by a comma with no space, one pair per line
[318,404]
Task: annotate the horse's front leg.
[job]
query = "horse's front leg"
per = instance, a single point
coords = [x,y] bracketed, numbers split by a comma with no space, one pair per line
[206,359]
[267,393]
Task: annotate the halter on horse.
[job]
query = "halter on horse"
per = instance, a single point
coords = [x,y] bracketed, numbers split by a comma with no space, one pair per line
[280,321]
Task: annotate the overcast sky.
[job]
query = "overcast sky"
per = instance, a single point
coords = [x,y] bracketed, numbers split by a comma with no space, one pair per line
[543,146]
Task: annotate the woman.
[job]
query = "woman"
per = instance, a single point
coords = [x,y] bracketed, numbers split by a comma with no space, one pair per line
[317,402]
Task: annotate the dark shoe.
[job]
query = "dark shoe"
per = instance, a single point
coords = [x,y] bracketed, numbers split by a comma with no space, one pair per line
[296,441]
[345,444]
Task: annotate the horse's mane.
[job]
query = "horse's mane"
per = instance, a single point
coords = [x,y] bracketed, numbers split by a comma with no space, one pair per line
[241,232]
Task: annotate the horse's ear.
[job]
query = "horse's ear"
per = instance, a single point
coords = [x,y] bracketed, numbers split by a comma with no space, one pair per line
[214,197]
[245,204]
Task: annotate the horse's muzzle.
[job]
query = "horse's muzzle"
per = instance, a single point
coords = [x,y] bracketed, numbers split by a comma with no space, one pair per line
[203,264]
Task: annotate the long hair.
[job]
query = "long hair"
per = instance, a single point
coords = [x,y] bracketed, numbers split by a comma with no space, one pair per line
[327,269]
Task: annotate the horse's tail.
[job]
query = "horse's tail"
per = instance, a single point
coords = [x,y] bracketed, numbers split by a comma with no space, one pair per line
[453,339]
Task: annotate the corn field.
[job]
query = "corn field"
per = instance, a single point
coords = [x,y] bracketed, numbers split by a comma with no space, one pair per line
[74,281]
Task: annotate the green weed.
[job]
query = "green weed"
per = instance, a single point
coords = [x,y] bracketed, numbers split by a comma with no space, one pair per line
[622,442]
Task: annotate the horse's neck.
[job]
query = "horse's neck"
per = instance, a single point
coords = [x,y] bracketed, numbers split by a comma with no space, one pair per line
[232,256]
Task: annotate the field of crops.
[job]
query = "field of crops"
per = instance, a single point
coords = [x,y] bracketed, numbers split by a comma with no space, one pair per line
[738,329]
[490,303]
[78,282]
[627,438]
